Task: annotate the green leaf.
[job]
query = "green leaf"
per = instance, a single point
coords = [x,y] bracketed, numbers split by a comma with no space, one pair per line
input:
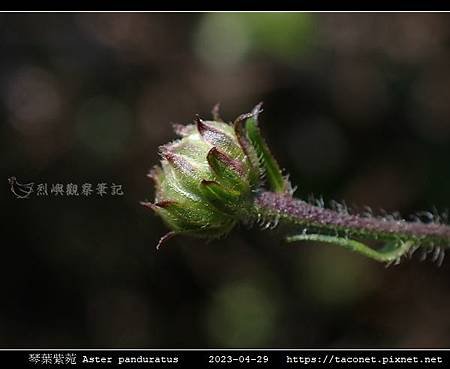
[270,166]
[391,252]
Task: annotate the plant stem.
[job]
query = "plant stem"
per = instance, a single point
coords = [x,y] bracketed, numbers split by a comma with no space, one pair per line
[326,225]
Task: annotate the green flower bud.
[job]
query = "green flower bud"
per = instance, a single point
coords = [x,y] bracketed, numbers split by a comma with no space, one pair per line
[207,178]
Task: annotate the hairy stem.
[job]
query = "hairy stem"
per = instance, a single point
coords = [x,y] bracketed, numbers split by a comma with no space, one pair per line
[326,225]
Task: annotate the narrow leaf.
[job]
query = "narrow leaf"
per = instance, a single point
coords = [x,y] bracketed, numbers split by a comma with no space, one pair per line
[388,254]
[270,166]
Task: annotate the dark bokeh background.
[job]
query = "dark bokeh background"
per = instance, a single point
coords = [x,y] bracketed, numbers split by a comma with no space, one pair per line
[356,108]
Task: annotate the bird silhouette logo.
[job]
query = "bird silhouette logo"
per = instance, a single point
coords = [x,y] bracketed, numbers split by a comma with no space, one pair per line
[20,190]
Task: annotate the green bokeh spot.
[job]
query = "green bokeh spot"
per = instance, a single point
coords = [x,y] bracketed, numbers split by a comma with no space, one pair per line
[104,126]
[242,315]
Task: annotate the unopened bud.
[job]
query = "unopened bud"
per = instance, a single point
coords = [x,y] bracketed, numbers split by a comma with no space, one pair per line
[206,180]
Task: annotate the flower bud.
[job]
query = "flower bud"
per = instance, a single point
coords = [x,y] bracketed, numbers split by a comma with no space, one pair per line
[205,182]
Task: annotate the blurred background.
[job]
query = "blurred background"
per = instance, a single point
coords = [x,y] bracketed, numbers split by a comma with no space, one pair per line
[356,108]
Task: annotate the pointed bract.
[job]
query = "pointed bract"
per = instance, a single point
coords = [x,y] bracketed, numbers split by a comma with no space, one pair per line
[220,162]
[215,112]
[225,200]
